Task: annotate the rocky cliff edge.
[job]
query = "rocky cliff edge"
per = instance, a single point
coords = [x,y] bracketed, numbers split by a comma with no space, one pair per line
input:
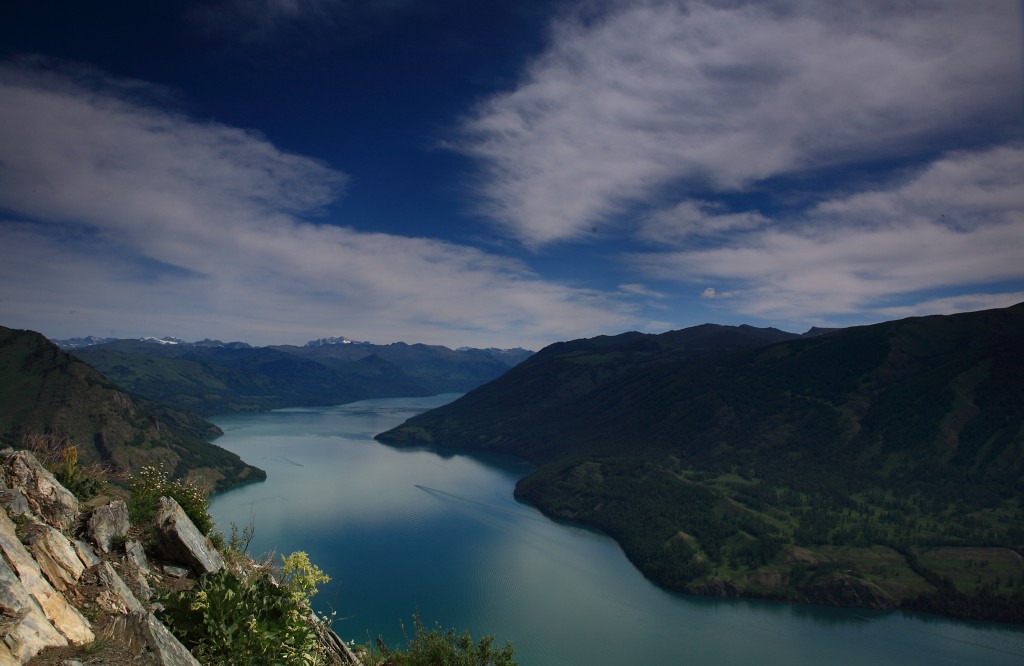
[76,584]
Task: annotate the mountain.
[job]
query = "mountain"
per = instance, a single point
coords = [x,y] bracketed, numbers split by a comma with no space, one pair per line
[76,343]
[44,390]
[876,466]
[210,377]
[340,340]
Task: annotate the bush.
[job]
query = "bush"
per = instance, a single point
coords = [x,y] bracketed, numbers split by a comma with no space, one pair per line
[437,647]
[151,483]
[60,457]
[300,577]
[227,620]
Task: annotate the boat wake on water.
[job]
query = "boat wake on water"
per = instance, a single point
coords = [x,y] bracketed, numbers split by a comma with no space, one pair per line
[489,507]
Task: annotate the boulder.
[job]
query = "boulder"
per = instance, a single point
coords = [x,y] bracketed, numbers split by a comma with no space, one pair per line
[53,503]
[107,523]
[137,555]
[115,596]
[13,499]
[65,617]
[144,635]
[24,629]
[55,556]
[86,554]
[181,541]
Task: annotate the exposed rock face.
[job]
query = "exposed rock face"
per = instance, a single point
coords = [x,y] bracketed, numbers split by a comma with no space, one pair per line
[115,595]
[181,541]
[137,555]
[108,522]
[56,557]
[714,587]
[24,628]
[143,633]
[842,589]
[64,617]
[52,502]
[35,614]
[47,577]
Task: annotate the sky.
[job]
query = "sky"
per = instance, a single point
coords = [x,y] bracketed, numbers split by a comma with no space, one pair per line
[505,174]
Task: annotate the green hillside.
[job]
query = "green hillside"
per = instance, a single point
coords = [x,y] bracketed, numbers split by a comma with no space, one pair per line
[44,390]
[212,380]
[875,466]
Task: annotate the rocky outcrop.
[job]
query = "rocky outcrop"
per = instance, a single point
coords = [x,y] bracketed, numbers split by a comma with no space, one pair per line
[108,523]
[143,633]
[181,541]
[843,589]
[49,575]
[115,596]
[44,573]
[714,587]
[53,503]
[62,615]
[56,556]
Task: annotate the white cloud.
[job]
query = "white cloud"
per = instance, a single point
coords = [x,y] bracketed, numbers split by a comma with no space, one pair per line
[956,224]
[147,221]
[691,218]
[722,94]
[711,294]
[954,304]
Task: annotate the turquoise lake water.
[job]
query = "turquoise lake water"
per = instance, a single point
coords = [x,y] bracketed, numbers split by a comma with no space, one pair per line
[400,531]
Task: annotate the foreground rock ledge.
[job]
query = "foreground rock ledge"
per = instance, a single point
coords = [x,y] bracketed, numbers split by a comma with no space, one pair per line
[47,579]
[59,565]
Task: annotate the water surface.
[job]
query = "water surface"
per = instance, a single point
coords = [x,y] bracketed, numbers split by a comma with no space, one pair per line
[401,530]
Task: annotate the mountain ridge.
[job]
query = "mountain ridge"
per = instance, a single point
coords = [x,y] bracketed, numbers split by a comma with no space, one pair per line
[743,461]
[209,377]
[49,392]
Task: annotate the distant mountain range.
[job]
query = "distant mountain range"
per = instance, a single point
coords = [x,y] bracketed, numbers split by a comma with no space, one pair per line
[877,466]
[211,377]
[46,391]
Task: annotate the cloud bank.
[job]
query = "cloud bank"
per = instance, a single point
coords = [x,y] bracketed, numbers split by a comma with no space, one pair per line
[956,224]
[145,221]
[654,95]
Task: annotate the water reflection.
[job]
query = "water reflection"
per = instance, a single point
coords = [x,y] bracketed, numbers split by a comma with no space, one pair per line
[401,529]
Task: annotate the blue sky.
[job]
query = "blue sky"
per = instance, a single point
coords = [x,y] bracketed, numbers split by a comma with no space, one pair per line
[505,174]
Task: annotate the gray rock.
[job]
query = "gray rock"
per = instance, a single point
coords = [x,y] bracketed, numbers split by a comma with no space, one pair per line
[116,596]
[65,617]
[55,556]
[53,503]
[24,629]
[144,634]
[13,499]
[137,555]
[86,554]
[107,523]
[181,541]
[175,572]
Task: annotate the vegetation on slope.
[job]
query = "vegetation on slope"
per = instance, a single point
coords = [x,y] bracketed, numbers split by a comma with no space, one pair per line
[46,391]
[876,466]
[220,379]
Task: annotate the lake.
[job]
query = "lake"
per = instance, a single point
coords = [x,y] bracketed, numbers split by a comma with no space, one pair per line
[401,531]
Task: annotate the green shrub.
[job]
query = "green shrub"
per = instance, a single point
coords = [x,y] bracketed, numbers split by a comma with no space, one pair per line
[60,457]
[438,647]
[300,577]
[230,621]
[151,483]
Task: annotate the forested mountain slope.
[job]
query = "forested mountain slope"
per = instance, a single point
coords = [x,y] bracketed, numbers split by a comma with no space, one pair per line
[880,465]
[216,379]
[44,390]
